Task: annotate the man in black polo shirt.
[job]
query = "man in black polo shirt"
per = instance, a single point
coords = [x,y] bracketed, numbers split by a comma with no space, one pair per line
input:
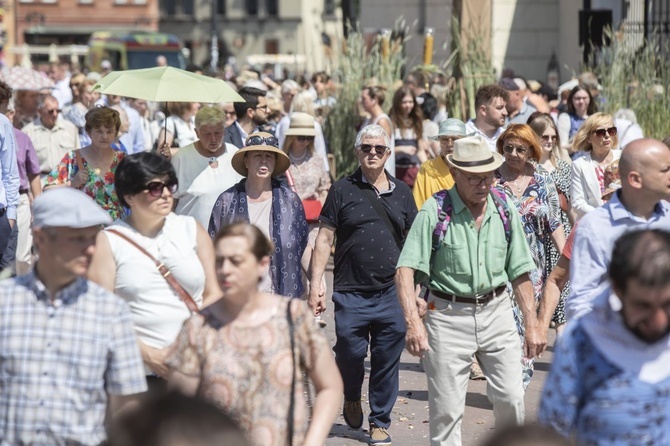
[369,213]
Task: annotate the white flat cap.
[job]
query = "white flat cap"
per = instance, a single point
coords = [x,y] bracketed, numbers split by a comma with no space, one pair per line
[69,208]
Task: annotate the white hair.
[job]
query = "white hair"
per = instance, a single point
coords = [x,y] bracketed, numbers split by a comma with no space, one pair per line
[372,131]
[289,86]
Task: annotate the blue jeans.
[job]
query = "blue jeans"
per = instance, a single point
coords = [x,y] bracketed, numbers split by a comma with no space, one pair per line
[373,318]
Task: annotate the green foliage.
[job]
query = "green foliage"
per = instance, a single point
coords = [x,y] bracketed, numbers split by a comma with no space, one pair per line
[637,78]
[357,67]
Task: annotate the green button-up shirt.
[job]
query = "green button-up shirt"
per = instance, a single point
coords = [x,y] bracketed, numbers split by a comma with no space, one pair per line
[469,262]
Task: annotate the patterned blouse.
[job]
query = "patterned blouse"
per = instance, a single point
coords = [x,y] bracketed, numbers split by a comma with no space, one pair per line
[100,186]
[247,370]
[310,178]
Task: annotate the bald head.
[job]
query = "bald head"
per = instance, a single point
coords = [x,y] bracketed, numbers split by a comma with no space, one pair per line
[642,154]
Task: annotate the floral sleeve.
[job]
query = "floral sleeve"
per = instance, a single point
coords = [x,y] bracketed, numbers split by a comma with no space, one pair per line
[64,171]
[185,355]
[310,341]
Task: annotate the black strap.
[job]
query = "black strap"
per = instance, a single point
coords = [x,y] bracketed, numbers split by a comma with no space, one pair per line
[291,407]
[372,197]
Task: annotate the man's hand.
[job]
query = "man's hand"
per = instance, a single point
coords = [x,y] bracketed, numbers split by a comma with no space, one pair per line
[535,341]
[12,222]
[416,339]
[421,306]
[317,298]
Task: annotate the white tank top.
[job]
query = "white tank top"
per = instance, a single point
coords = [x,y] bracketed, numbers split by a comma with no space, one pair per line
[158,312]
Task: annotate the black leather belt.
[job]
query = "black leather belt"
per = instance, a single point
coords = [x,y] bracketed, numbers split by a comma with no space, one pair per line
[477,299]
[23,191]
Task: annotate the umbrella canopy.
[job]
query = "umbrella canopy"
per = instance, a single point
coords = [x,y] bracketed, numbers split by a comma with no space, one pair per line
[23,78]
[166,84]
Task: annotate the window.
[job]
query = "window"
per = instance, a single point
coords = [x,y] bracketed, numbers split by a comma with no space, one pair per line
[187,7]
[329,7]
[85,2]
[272,7]
[120,2]
[221,7]
[271,46]
[252,7]
[170,7]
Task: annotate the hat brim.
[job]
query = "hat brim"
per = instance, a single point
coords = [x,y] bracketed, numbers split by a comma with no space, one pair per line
[282,162]
[488,165]
[454,133]
[300,132]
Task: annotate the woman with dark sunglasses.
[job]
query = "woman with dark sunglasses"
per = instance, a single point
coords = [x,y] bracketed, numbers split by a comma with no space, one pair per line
[273,207]
[91,169]
[145,183]
[598,139]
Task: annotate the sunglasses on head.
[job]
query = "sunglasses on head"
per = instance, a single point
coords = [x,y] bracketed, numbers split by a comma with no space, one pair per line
[155,188]
[303,138]
[379,149]
[262,141]
[612,131]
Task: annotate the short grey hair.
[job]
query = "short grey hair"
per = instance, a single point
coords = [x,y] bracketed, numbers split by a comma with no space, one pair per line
[289,86]
[372,131]
[43,99]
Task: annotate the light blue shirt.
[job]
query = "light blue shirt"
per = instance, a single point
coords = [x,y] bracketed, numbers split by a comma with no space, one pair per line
[9,172]
[592,251]
[133,140]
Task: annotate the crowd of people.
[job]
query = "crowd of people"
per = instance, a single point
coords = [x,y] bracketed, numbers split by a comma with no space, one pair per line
[188,254]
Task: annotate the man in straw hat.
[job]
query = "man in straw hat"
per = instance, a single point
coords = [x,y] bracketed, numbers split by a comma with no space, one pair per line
[469,310]
[369,213]
[265,202]
[434,175]
[68,346]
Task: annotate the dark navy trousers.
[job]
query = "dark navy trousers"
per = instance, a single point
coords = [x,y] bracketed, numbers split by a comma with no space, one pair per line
[375,319]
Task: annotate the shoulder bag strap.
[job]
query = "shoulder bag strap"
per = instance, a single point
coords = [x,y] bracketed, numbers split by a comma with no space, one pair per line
[371,195]
[289,179]
[165,272]
[291,407]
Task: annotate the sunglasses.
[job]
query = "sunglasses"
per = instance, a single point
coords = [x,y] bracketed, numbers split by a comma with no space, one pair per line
[510,149]
[547,138]
[379,149]
[612,131]
[262,141]
[302,138]
[155,188]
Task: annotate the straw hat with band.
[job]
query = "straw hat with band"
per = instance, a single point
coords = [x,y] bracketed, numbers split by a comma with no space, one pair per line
[264,142]
[302,124]
[450,127]
[472,154]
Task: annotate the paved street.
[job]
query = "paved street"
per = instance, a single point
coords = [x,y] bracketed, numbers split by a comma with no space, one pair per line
[410,414]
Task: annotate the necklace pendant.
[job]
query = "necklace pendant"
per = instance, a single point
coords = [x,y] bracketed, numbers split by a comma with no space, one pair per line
[213,162]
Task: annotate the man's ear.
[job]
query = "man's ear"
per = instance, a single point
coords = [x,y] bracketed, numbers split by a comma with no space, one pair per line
[634,179]
[250,112]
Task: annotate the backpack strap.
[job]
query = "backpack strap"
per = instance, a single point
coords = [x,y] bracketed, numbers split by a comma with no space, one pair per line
[500,201]
[444,209]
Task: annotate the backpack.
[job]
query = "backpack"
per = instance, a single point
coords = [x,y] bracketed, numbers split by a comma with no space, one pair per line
[444,208]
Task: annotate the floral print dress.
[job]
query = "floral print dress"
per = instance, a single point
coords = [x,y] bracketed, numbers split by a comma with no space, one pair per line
[539,208]
[561,177]
[100,185]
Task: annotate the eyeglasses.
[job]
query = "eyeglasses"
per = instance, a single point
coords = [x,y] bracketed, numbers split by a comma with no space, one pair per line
[155,188]
[262,141]
[519,150]
[303,138]
[230,113]
[262,107]
[600,133]
[446,139]
[379,149]
[547,138]
[476,181]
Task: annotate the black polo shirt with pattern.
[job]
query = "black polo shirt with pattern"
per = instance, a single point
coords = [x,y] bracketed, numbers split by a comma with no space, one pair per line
[366,252]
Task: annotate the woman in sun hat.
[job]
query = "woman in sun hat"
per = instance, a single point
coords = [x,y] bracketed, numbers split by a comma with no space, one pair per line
[274,208]
[434,175]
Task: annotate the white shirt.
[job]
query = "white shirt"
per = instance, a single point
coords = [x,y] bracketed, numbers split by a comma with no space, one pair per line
[259,216]
[471,128]
[200,184]
[158,312]
[185,132]
[52,144]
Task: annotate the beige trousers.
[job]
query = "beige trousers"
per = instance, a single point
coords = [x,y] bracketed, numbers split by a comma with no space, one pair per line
[455,332]
[24,257]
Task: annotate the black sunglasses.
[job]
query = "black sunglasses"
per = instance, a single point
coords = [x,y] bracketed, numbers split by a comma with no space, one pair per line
[379,149]
[155,188]
[262,141]
[612,131]
[303,138]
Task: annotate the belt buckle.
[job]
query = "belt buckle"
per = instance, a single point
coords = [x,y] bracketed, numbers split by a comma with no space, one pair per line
[482,298]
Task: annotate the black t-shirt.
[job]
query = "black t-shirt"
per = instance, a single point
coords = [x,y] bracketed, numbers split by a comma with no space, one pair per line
[365,250]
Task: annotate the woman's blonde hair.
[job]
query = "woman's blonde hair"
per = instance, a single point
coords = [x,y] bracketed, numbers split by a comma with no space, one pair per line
[290,139]
[582,142]
[540,122]
[303,103]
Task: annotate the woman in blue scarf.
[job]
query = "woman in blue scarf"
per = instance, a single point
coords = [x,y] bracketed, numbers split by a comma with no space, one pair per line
[265,202]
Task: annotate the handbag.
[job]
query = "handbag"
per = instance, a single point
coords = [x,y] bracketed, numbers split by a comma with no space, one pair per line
[165,272]
[312,206]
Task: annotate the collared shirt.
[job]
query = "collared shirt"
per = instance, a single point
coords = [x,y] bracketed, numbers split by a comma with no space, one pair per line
[243,134]
[60,358]
[9,169]
[594,241]
[51,145]
[522,116]
[470,261]
[365,249]
[471,128]
[26,158]
[133,139]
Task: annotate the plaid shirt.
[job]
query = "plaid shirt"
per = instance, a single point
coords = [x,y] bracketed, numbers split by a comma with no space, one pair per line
[59,359]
